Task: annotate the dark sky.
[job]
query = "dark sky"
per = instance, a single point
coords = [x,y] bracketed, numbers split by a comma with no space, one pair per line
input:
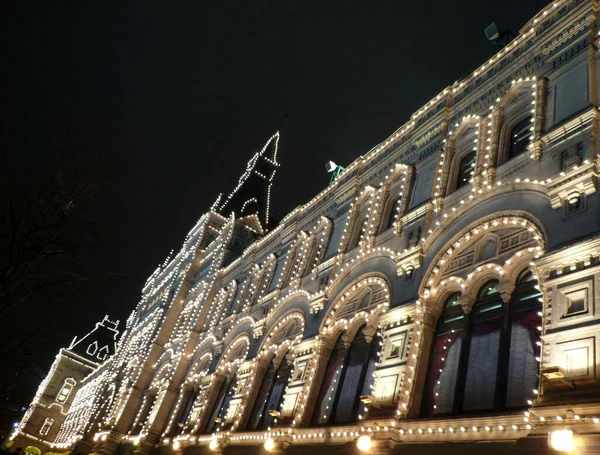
[185,92]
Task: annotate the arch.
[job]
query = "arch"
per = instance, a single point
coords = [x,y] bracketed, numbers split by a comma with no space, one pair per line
[297,299]
[199,367]
[244,325]
[293,259]
[358,266]
[346,311]
[161,376]
[392,200]
[477,229]
[235,353]
[288,330]
[474,348]
[347,375]
[223,302]
[272,369]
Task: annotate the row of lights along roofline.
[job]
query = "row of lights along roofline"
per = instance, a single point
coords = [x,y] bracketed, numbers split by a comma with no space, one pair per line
[405,128]
[418,430]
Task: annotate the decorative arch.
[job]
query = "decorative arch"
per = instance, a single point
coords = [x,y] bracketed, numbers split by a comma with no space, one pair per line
[528,88]
[351,270]
[449,258]
[363,300]
[223,303]
[271,371]
[298,299]
[235,353]
[317,244]
[454,270]
[287,331]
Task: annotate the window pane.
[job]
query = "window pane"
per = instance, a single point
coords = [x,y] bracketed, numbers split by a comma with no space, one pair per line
[279,385]
[330,383]
[465,169]
[519,138]
[347,404]
[262,397]
[440,388]
[522,367]
[211,424]
[482,366]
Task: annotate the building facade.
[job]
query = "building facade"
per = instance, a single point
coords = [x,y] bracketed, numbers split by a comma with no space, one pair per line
[56,395]
[439,295]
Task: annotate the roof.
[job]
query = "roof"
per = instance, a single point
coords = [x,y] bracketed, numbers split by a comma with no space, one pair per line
[99,344]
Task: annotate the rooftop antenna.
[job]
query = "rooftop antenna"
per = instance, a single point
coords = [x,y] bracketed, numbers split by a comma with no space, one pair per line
[334,170]
[498,36]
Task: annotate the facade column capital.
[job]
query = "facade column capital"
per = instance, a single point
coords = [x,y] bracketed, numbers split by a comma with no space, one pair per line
[466,302]
[505,289]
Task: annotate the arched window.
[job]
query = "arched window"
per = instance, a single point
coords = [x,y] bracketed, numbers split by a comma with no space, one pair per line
[519,138]
[221,406]
[348,375]
[445,360]
[493,366]
[389,216]
[357,231]
[269,395]
[466,167]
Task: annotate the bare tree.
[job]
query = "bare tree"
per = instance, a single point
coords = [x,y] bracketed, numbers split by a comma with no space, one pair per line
[45,228]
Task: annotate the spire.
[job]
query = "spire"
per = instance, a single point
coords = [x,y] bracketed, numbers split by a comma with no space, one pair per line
[251,196]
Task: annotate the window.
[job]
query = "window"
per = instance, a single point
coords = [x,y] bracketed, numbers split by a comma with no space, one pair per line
[465,170]
[357,231]
[269,395]
[186,409]
[224,397]
[65,390]
[348,375]
[390,215]
[489,362]
[519,138]
[48,422]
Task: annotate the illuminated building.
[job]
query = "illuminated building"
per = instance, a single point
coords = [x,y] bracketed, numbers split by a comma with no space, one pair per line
[57,395]
[440,290]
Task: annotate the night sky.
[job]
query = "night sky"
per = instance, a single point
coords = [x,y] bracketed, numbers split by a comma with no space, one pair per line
[183,93]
